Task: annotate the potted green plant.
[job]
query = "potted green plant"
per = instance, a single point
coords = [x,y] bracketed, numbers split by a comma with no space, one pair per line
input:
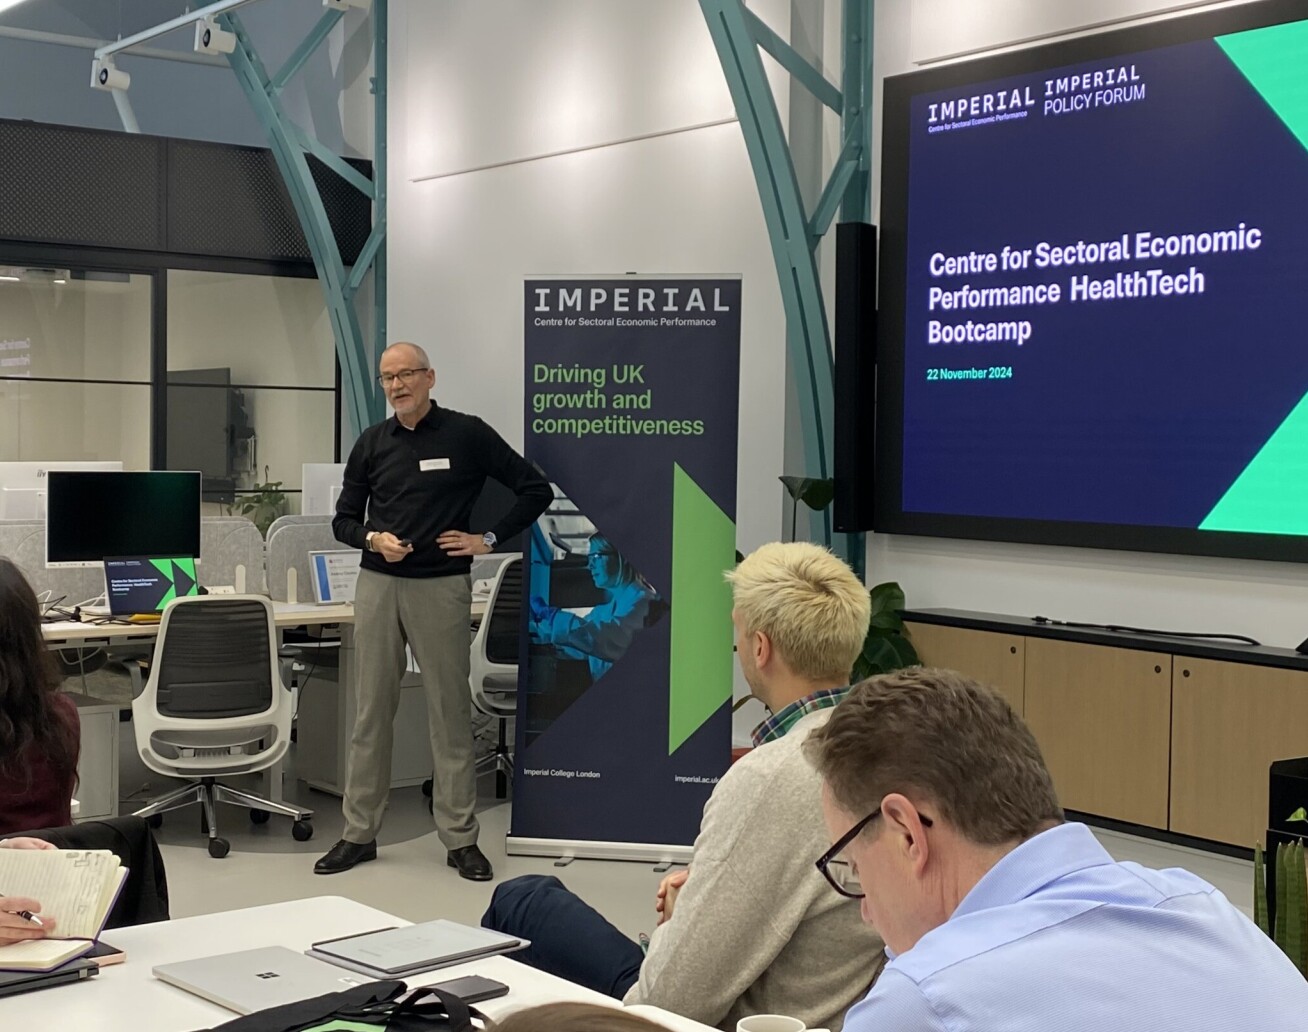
[1287,925]
[262,503]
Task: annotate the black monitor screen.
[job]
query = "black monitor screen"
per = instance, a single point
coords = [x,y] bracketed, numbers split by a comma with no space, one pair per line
[1094,265]
[93,515]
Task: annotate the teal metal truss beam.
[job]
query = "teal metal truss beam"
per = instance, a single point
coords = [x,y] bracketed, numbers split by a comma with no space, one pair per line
[738,34]
[291,146]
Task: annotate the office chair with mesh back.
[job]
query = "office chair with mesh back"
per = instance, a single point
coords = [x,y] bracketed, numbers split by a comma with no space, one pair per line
[494,670]
[215,705]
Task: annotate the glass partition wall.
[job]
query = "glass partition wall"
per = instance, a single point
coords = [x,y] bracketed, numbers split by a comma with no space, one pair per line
[233,374]
[75,359]
[252,391]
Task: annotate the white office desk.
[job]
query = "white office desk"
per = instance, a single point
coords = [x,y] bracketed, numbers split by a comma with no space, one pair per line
[326,714]
[127,997]
[71,633]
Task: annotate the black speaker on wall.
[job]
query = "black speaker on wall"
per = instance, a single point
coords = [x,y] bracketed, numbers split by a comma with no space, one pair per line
[856,370]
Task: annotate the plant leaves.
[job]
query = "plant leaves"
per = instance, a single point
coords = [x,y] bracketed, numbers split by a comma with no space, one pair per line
[1300,814]
[887,597]
[815,492]
[878,657]
[904,651]
[795,485]
[1260,891]
[818,494]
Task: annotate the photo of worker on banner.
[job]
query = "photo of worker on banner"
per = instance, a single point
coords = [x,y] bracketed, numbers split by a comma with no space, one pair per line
[592,617]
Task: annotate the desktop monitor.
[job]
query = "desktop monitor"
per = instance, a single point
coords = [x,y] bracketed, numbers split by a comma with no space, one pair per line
[93,515]
[146,584]
[321,487]
[23,485]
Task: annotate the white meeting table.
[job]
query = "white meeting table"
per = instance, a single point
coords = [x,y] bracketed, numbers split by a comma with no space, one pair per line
[127,998]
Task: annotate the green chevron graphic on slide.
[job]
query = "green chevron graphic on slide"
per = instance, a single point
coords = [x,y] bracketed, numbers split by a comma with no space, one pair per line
[703,548]
[1271,495]
[181,579]
[1274,60]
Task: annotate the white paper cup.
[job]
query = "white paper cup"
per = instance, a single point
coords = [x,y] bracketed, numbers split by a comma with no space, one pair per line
[773,1023]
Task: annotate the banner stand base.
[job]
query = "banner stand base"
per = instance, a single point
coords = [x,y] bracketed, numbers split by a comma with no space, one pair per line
[578,849]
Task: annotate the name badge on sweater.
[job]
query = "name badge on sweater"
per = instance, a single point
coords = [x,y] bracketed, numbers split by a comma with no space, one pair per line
[426,465]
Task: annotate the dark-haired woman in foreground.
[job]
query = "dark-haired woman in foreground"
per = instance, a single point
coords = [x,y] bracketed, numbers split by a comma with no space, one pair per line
[39,729]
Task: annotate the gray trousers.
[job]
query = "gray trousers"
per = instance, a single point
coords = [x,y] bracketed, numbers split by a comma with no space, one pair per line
[432,616]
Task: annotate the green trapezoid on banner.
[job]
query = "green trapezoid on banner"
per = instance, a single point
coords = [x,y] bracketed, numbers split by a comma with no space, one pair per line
[703,548]
[1275,61]
[1271,495]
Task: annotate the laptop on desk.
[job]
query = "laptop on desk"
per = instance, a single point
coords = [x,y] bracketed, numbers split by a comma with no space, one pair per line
[254,979]
[143,585]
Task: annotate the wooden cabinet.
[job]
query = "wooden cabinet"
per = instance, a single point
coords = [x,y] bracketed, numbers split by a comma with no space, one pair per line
[1229,722]
[1102,717]
[1170,733]
[994,659]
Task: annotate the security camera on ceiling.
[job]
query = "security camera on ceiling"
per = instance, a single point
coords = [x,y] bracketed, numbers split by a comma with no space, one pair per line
[104,76]
[211,38]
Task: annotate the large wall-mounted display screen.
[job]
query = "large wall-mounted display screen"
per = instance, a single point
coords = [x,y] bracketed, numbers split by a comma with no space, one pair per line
[1093,308]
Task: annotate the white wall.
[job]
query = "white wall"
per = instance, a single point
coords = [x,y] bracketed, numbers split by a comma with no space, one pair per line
[480,88]
[485,85]
[1265,600]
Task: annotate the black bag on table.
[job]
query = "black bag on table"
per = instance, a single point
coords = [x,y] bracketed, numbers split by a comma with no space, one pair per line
[375,1004]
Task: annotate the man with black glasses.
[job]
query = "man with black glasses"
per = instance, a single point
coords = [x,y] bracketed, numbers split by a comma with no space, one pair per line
[997,913]
[407,498]
[751,927]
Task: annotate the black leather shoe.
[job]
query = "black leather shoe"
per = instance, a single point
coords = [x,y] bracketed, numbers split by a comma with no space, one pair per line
[344,855]
[471,863]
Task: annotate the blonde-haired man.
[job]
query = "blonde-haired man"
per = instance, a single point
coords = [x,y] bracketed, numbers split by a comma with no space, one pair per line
[751,927]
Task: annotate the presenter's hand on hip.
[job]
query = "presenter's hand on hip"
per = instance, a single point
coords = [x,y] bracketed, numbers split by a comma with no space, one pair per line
[455,542]
[390,547]
[14,927]
[665,899]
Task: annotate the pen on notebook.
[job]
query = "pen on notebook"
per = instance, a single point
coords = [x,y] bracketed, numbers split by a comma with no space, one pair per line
[27,915]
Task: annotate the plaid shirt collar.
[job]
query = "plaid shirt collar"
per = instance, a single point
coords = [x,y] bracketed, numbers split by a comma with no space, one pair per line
[778,724]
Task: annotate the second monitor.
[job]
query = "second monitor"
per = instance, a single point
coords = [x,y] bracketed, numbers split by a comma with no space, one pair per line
[93,515]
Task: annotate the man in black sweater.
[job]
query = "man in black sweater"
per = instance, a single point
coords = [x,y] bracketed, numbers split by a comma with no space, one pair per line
[410,484]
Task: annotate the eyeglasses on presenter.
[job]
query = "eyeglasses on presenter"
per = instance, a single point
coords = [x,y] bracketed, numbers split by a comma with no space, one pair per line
[405,376]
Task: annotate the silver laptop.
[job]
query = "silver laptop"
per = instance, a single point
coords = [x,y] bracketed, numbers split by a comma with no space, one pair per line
[254,979]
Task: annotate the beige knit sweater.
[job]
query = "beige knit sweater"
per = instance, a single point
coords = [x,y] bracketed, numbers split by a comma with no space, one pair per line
[756,929]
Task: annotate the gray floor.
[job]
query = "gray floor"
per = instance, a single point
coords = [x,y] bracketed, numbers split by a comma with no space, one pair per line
[410,878]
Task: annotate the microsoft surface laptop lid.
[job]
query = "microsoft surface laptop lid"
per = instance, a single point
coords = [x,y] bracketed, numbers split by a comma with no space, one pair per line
[146,584]
[254,979]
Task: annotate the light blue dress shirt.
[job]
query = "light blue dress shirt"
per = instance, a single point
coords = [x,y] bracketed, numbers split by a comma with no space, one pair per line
[1058,937]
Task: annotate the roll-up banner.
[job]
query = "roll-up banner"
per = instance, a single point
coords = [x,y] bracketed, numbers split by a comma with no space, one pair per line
[624,701]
